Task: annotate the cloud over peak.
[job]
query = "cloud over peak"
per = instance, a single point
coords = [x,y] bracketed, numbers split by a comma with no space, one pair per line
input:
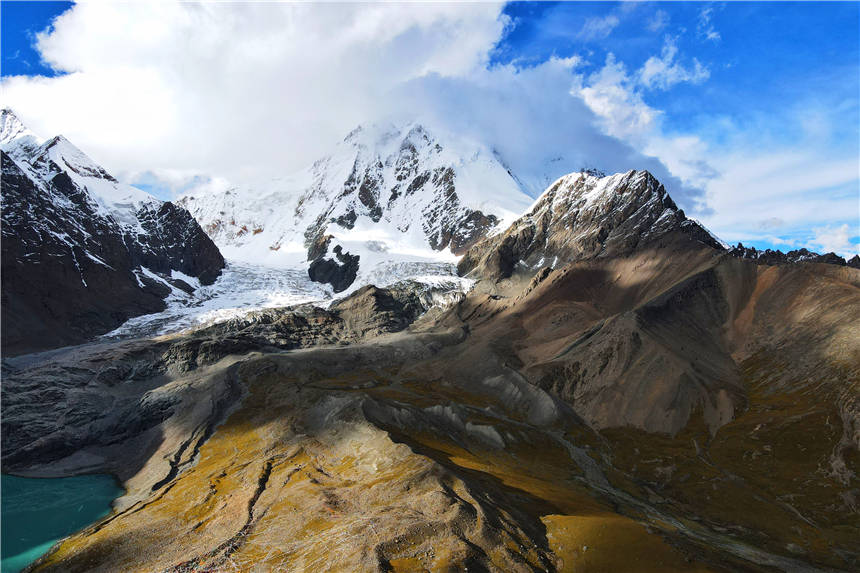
[179,94]
[249,91]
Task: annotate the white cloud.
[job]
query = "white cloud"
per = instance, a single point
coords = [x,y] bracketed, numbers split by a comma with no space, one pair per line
[705,27]
[253,91]
[754,177]
[237,89]
[611,94]
[836,240]
[616,95]
[658,21]
[598,27]
[664,72]
[782,191]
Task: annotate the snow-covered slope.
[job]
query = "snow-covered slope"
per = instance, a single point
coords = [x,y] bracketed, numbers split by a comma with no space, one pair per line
[387,194]
[15,138]
[42,160]
[82,252]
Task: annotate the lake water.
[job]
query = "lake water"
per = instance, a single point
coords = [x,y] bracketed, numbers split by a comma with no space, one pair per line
[36,513]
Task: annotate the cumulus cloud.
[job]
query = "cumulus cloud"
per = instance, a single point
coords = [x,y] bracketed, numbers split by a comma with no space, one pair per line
[841,240]
[611,93]
[241,89]
[664,72]
[615,94]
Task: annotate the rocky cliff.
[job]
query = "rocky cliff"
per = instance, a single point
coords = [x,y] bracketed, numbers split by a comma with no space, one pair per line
[82,253]
[777,257]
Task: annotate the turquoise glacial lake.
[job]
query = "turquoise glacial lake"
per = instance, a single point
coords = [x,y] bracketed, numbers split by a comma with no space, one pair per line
[35,513]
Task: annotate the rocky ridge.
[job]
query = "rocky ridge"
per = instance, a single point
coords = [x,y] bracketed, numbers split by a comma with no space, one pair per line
[81,253]
[587,215]
[777,257]
[582,216]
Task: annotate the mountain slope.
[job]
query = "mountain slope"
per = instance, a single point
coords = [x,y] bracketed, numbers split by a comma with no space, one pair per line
[81,252]
[648,403]
[385,193]
[581,216]
[676,409]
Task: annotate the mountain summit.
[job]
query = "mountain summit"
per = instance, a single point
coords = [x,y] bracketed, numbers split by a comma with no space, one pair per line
[11,129]
[386,194]
[82,252]
[581,216]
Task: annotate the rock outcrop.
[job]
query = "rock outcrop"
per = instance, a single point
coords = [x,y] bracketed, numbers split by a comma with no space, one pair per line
[367,313]
[340,272]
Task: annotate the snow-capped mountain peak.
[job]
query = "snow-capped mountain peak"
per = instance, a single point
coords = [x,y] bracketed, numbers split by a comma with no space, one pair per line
[44,159]
[15,138]
[411,192]
[11,128]
[585,215]
[72,231]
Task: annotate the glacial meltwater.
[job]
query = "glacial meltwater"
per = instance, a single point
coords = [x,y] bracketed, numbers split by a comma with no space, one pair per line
[36,513]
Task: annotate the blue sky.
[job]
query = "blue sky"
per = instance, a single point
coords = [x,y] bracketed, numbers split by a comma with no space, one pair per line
[768,63]
[760,56]
[751,109]
[19,24]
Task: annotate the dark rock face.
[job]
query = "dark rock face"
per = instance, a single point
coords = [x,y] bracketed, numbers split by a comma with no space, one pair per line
[174,240]
[776,257]
[584,216]
[449,224]
[339,272]
[70,271]
[67,277]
